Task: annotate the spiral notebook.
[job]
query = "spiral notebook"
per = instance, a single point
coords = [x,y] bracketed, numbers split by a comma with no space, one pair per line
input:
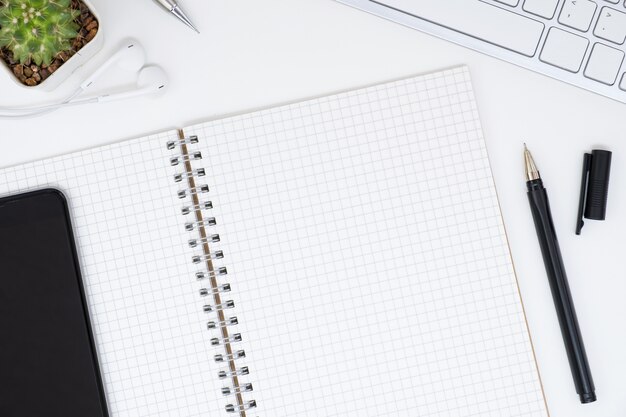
[323,258]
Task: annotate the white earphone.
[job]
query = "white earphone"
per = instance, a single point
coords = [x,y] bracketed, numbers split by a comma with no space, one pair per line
[151,80]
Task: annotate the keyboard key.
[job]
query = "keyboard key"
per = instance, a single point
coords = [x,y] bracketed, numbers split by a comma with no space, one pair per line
[578,14]
[509,2]
[497,26]
[611,25]
[613,1]
[543,8]
[564,50]
[622,84]
[604,64]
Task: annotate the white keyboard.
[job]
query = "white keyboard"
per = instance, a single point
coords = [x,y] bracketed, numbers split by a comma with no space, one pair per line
[577,41]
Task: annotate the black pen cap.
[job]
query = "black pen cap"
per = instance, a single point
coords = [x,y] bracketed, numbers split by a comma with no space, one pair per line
[594,188]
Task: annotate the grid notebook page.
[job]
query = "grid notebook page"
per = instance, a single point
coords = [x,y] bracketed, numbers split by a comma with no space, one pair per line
[147,317]
[368,257]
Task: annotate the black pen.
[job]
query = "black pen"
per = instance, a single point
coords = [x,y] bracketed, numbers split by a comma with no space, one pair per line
[555,269]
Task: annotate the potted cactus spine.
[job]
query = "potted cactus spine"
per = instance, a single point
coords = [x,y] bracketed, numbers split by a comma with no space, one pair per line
[39,39]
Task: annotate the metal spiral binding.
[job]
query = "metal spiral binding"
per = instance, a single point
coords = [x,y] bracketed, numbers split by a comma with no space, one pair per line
[185,158]
[216,306]
[209,239]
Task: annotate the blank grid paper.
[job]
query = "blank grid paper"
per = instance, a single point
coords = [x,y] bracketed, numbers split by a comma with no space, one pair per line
[146,313]
[369,262]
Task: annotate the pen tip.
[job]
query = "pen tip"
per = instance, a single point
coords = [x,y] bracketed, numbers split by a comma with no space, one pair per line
[532,173]
[178,12]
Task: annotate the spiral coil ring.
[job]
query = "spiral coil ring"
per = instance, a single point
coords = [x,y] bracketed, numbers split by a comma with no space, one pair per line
[216,341]
[204,292]
[185,158]
[231,321]
[206,205]
[217,307]
[232,390]
[204,240]
[191,140]
[210,273]
[200,275]
[218,254]
[238,372]
[200,172]
[231,408]
[193,190]
[229,357]
[210,221]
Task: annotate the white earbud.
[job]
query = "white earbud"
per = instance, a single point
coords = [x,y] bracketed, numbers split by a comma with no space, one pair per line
[152,80]
[131,56]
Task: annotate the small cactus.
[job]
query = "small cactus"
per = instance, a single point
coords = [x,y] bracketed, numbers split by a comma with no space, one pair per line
[37,30]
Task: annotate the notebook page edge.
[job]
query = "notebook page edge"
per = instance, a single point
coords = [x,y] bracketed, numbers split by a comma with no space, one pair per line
[515,273]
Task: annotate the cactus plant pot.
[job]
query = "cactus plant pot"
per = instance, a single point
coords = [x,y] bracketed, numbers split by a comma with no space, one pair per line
[85,45]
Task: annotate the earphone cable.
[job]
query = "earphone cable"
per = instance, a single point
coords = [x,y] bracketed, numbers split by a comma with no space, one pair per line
[36,111]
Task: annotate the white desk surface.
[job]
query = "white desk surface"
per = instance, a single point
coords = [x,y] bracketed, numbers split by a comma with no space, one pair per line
[254,54]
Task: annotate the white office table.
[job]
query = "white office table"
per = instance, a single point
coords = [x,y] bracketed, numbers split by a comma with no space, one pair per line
[254,54]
